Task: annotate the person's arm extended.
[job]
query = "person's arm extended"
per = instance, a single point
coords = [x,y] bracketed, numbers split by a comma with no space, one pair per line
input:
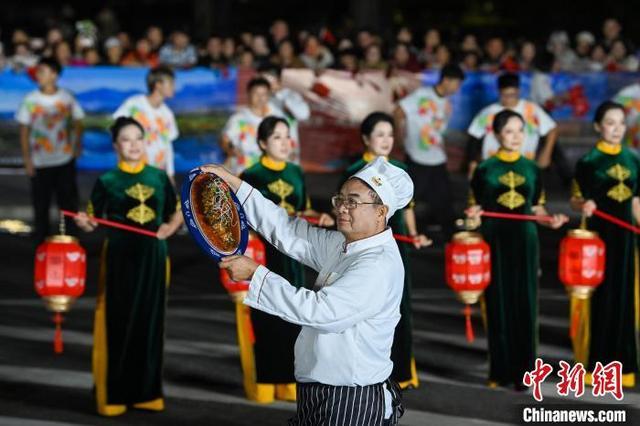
[333,309]
[169,228]
[26,150]
[292,236]
[544,158]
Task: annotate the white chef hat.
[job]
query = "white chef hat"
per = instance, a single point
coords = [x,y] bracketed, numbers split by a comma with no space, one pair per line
[391,183]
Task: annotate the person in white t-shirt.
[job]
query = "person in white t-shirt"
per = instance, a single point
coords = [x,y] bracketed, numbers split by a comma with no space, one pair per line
[421,121]
[159,123]
[238,139]
[538,124]
[50,138]
[629,97]
[292,105]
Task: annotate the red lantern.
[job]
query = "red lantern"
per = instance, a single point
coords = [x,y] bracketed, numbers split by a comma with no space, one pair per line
[468,270]
[60,270]
[256,251]
[581,270]
[582,260]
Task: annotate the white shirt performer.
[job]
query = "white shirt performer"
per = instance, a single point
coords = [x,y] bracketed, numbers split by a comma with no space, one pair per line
[342,355]
[154,115]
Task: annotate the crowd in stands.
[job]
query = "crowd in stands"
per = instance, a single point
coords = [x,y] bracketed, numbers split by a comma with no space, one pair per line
[89,43]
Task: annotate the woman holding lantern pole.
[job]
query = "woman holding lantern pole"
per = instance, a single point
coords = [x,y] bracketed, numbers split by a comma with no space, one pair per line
[267,364]
[607,179]
[377,132]
[134,276]
[510,183]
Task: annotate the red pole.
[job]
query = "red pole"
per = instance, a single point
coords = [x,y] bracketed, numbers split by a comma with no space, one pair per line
[115,224]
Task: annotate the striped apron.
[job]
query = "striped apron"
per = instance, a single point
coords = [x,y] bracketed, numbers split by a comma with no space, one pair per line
[327,405]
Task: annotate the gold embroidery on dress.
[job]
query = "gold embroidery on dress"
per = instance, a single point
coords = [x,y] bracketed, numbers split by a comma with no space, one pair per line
[471,199]
[619,192]
[576,192]
[511,199]
[90,209]
[543,198]
[141,213]
[282,189]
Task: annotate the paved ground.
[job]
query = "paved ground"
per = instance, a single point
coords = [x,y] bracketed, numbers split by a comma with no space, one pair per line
[202,369]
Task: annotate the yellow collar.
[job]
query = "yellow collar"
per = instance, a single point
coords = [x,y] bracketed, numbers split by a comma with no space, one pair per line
[271,164]
[508,156]
[370,156]
[125,167]
[609,148]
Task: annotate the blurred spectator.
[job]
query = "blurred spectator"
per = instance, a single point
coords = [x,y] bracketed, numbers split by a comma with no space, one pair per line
[315,55]
[364,39]
[155,37]
[260,51]
[107,22]
[125,41]
[286,56]
[584,43]
[403,60]
[470,60]
[619,60]
[278,32]
[229,50]
[469,43]
[441,58]
[373,59]
[494,52]
[432,40]
[527,56]
[141,56]
[113,52]
[611,31]
[348,60]
[91,56]
[179,52]
[246,60]
[54,36]
[213,57]
[81,42]
[19,36]
[404,35]
[598,58]
[560,46]
[22,58]
[246,39]
[62,53]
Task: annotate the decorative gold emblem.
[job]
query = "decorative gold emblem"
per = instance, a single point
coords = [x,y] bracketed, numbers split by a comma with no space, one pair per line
[141,213]
[511,199]
[576,192]
[282,189]
[620,192]
[377,180]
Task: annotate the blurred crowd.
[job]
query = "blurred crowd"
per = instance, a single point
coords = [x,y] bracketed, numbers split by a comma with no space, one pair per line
[95,42]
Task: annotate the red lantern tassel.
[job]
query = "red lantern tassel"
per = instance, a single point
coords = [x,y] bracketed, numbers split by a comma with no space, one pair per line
[469,326]
[57,338]
[575,321]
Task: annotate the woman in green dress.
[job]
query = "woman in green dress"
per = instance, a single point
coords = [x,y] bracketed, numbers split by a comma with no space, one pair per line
[134,276]
[510,183]
[377,132]
[607,179]
[271,365]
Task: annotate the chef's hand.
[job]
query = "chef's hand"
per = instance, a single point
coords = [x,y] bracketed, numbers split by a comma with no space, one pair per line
[233,181]
[240,268]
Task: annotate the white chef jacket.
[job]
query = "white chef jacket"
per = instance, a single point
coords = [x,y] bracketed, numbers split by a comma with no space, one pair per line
[349,318]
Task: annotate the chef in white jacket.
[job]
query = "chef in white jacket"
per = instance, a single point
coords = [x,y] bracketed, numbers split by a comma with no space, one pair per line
[342,355]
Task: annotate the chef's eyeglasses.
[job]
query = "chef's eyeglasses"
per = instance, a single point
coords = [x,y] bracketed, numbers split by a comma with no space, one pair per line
[348,202]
